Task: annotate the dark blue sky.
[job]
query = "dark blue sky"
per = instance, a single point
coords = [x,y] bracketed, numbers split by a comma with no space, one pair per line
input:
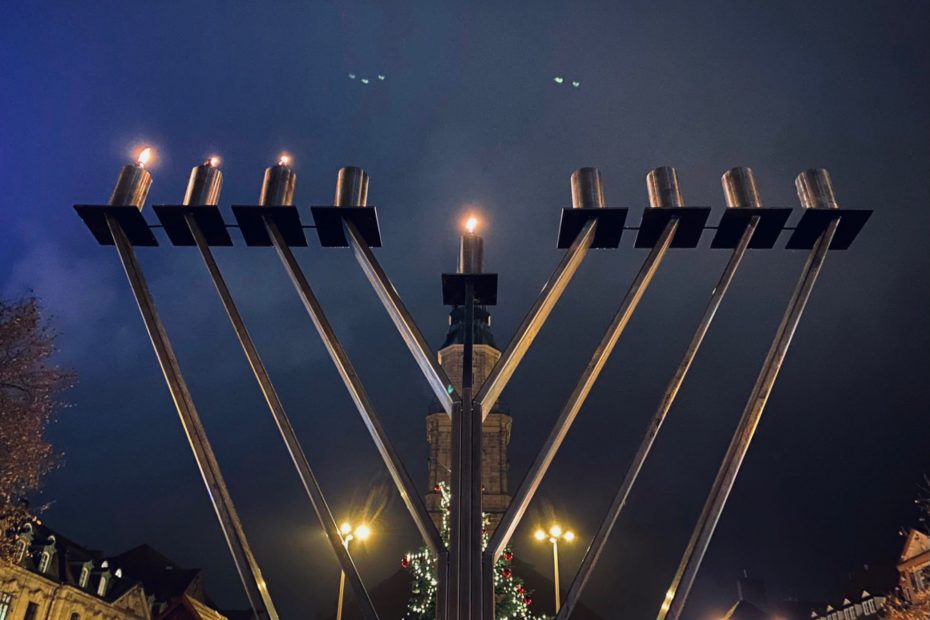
[468,113]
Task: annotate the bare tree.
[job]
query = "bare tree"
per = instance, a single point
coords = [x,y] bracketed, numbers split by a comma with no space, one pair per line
[30,385]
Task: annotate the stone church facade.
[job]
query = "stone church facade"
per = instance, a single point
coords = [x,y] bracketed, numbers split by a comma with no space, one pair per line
[496,428]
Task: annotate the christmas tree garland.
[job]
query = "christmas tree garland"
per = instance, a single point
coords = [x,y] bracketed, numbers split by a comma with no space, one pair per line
[512,599]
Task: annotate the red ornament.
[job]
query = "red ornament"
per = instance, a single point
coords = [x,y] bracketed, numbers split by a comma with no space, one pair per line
[506,573]
[508,556]
[437,488]
[405,562]
[520,589]
[527,601]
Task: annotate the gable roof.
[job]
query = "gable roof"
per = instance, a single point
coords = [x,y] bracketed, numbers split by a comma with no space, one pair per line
[744,610]
[916,543]
[161,577]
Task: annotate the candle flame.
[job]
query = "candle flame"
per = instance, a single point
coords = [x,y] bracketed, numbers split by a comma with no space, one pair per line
[471,224]
[284,159]
[145,155]
[213,161]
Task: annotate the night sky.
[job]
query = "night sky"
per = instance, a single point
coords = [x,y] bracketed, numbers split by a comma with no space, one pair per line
[468,117]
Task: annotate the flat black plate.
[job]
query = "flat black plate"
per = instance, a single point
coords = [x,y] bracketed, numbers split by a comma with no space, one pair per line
[252,224]
[691,222]
[453,288]
[815,221]
[207,217]
[735,220]
[329,220]
[130,218]
[609,226]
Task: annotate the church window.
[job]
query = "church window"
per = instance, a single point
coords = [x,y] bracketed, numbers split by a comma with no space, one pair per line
[21,547]
[44,560]
[6,601]
[85,577]
[75,616]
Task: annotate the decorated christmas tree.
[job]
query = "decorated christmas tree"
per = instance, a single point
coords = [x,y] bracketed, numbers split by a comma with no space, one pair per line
[512,599]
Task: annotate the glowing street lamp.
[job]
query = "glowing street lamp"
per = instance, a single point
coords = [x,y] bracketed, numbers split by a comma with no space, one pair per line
[555,534]
[349,533]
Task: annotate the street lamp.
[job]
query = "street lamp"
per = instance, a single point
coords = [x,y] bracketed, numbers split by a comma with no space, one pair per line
[349,533]
[554,535]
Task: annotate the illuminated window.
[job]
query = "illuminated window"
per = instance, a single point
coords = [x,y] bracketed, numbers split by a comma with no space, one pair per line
[21,547]
[6,601]
[85,577]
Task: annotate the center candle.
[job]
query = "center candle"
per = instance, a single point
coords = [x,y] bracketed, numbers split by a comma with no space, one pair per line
[471,250]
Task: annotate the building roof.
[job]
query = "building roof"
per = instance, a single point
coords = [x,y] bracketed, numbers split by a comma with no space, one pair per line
[187,608]
[744,610]
[67,560]
[161,577]
[482,323]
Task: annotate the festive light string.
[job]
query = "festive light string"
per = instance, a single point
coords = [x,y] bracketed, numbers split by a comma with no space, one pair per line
[512,599]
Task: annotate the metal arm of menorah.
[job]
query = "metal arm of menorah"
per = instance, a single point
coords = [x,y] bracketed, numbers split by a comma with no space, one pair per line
[741,193]
[815,191]
[465,573]
[109,226]
[352,191]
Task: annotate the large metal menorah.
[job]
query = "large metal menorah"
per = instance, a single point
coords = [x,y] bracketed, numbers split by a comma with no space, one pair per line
[465,575]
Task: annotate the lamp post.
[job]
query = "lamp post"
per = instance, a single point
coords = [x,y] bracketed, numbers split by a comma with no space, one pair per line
[362,532]
[554,535]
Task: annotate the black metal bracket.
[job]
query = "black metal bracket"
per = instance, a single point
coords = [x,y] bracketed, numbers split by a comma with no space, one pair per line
[329,227]
[734,222]
[815,221]
[208,218]
[691,222]
[252,219]
[453,288]
[610,224]
[129,217]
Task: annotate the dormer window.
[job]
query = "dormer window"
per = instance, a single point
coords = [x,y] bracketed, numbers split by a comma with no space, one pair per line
[85,576]
[44,560]
[102,588]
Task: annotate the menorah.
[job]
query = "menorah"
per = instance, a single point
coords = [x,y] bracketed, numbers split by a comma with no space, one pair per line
[464,568]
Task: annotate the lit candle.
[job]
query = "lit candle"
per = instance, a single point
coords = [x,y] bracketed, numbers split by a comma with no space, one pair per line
[279,184]
[471,251]
[134,182]
[205,183]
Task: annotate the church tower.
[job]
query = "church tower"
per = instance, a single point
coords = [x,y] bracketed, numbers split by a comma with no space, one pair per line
[496,428]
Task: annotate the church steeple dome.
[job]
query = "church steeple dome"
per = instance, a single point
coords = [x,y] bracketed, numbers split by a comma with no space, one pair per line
[456,333]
